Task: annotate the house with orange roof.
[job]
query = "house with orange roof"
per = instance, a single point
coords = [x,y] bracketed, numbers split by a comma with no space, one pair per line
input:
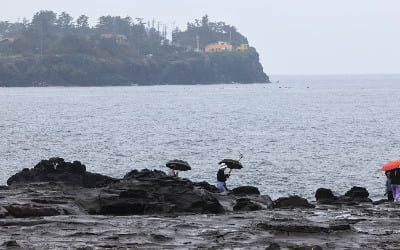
[242,47]
[218,47]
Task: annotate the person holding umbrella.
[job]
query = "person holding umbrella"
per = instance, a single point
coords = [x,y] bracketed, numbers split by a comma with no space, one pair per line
[222,177]
[175,166]
[392,172]
[389,192]
[394,178]
[172,172]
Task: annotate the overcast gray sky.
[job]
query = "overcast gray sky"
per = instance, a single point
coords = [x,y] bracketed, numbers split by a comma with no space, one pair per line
[292,37]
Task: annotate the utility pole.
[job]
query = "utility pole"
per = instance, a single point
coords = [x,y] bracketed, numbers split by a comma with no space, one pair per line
[197,44]
[173,29]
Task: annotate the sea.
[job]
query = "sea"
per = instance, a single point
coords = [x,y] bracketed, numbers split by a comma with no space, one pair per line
[296,134]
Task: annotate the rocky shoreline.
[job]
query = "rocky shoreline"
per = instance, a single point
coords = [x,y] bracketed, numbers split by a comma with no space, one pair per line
[59,204]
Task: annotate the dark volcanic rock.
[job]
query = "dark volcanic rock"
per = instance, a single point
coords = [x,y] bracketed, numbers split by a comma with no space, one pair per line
[313,247]
[381,201]
[358,194]
[26,210]
[145,173]
[244,204]
[11,244]
[302,226]
[292,202]
[207,186]
[352,197]
[152,192]
[57,170]
[3,212]
[140,192]
[273,246]
[324,194]
[245,190]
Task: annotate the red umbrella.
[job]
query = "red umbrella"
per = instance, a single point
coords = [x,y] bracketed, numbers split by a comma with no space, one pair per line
[391,165]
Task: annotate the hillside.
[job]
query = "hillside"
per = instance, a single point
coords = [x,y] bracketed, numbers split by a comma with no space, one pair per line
[53,50]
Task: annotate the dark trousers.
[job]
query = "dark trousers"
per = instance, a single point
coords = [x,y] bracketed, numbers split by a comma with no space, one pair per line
[390,196]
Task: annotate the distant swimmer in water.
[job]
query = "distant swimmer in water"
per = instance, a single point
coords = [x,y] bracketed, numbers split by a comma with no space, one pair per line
[222,177]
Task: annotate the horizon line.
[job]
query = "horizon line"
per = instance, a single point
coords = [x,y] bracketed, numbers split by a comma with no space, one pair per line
[332,74]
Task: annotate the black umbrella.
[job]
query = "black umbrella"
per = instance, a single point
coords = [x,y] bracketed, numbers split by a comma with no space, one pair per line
[178,165]
[232,164]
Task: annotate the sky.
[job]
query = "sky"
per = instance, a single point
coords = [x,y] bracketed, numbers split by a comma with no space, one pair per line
[292,37]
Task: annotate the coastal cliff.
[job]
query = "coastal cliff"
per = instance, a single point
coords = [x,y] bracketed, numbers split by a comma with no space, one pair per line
[52,50]
[191,68]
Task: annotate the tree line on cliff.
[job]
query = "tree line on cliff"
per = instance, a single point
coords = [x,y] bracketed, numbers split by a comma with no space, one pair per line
[55,49]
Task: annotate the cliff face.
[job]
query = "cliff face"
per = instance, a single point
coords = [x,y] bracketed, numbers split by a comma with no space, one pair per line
[185,68]
[219,67]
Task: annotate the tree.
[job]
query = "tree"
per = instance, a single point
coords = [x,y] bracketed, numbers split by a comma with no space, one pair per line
[44,21]
[114,24]
[64,21]
[204,21]
[82,22]
[12,29]
[4,27]
[208,32]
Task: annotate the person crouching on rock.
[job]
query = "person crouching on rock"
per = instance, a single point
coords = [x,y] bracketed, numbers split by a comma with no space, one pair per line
[222,177]
[172,172]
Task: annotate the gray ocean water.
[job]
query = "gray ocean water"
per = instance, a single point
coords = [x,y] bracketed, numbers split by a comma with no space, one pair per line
[297,134]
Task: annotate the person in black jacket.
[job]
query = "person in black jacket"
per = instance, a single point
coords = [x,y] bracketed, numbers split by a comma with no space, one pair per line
[222,177]
[394,176]
[389,192]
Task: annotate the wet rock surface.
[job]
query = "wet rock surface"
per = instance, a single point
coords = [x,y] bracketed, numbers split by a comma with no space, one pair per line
[57,170]
[352,197]
[155,211]
[245,190]
[245,204]
[292,202]
[163,195]
[324,194]
[358,194]
[325,226]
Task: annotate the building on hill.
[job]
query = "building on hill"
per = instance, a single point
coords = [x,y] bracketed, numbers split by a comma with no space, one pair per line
[243,47]
[119,38]
[217,47]
[224,46]
[8,39]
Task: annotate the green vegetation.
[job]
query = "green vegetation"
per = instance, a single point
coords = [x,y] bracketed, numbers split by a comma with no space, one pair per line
[54,49]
